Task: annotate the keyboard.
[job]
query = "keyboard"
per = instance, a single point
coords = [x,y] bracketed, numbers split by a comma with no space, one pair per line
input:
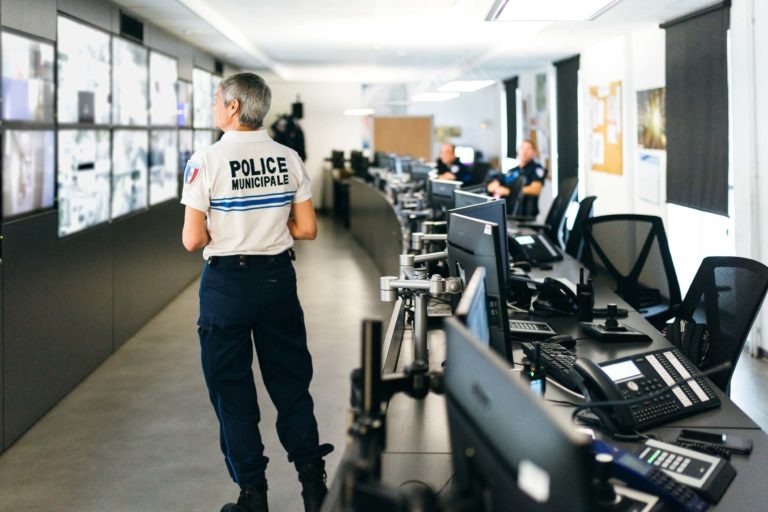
[558,362]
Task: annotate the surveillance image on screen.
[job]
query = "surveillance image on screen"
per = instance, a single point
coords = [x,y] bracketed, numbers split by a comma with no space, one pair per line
[28,171]
[202,98]
[163,166]
[84,167]
[163,104]
[83,73]
[186,148]
[130,76]
[203,139]
[184,107]
[28,82]
[129,171]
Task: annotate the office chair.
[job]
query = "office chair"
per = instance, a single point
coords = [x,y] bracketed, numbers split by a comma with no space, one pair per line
[574,237]
[554,223]
[634,252]
[515,198]
[726,296]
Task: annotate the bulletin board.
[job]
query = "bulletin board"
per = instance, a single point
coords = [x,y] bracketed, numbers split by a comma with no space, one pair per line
[606,128]
[407,136]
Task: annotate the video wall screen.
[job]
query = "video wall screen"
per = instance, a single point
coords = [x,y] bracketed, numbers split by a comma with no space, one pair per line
[130,79]
[28,79]
[129,171]
[186,148]
[83,73]
[203,98]
[163,103]
[84,179]
[203,139]
[163,165]
[184,108]
[28,171]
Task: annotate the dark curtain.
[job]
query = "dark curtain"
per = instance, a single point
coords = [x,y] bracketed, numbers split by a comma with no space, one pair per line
[697,110]
[510,87]
[567,118]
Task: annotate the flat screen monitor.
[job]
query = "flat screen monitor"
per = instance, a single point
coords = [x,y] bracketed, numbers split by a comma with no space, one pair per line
[506,446]
[130,80]
[83,179]
[203,139]
[465,154]
[202,98]
[420,171]
[163,165]
[184,106]
[494,210]
[464,198]
[129,171]
[163,102]
[473,308]
[441,193]
[387,161]
[28,82]
[28,171]
[83,96]
[475,243]
[186,148]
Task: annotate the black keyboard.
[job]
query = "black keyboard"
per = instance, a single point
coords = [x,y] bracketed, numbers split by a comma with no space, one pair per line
[558,362]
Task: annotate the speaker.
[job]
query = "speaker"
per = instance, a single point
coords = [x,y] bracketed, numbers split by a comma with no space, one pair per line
[218,67]
[131,27]
[297,110]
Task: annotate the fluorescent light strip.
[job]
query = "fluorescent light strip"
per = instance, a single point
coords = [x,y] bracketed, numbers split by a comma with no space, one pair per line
[435,96]
[549,10]
[465,85]
[359,112]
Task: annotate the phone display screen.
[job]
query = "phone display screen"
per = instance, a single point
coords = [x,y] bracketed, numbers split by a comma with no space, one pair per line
[524,240]
[624,370]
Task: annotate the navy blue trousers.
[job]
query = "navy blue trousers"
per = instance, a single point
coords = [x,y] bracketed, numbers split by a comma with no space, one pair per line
[248,302]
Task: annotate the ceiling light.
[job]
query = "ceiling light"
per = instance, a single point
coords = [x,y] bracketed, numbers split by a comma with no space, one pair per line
[359,112]
[465,85]
[548,10]
[435,96]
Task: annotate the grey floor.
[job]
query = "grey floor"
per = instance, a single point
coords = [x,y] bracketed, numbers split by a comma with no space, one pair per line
[139,434]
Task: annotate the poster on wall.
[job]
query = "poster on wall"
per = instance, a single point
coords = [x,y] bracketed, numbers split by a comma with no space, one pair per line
[606,128]
[652,119]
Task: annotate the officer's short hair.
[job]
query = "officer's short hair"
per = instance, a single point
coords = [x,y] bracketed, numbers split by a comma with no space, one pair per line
[253,94]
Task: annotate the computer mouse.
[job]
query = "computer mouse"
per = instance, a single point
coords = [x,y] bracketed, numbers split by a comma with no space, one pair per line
[563,339]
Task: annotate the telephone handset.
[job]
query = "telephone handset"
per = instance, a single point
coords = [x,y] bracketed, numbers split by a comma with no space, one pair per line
[597,386]
[557,295]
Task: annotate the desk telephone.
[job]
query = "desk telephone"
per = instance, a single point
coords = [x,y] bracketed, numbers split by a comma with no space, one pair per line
[551,294]
[534,248]
[650,374]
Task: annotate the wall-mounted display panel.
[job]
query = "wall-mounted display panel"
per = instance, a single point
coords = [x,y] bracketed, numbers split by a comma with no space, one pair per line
[28,171]
[28,81]
[203,98]
[129,171]
[186,148]
[163,165]
[83,63]
[130,80]
[163,103]
[203,139]
[184,108]
[84,179]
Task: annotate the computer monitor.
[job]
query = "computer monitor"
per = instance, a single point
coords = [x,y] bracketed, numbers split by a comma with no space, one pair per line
[163,94]
[475,243]
[465,154]
[28,84]
[506,446]
[464,198]
[130,83]
[441,193]
[473,307]
[163,165]
[184,105]
[202,99]
[28,171]
[420,171]
[129,171]
[494,210]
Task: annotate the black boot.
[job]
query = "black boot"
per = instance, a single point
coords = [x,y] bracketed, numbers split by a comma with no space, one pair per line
[313,489]
[253,498]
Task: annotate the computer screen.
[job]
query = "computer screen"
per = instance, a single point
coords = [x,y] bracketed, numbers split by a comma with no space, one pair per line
[420,171]
[163,165]
[83,179]
[129,171]
[202,98]
[28,82]
[506,446]
[464,198]
[473,308]
[494,211]
[475,243]
[28,171]
[465,154]
[186,148]
[83,97]
[130,79]
[163,101]
[441,193]
[202,139]
[184,106]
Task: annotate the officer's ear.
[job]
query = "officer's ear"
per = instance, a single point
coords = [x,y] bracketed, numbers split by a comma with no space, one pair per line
[234,106]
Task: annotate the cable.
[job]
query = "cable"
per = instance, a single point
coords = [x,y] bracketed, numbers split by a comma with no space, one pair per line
[453,475]
[562,402]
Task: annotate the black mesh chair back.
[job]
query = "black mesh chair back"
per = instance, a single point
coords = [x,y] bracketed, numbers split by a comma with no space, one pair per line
[574,239]
[633,251]
[515,197]
[555,221]
[725,295]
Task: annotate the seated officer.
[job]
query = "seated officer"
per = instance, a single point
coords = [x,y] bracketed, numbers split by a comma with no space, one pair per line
[533,173]
[449,167]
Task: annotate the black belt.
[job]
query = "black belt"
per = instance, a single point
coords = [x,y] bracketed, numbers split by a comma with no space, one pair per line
[246,260]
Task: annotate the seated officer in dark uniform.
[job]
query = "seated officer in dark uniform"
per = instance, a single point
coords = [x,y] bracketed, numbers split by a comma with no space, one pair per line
[247,199]
[533,173]
[449,167]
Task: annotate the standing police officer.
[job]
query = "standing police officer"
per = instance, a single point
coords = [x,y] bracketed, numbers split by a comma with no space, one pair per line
[247,199]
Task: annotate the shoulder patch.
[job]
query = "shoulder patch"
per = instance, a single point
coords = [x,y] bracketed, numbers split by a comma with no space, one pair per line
[191,172]
[540,172]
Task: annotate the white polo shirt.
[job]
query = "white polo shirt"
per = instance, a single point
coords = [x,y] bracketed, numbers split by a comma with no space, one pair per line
[246,183]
